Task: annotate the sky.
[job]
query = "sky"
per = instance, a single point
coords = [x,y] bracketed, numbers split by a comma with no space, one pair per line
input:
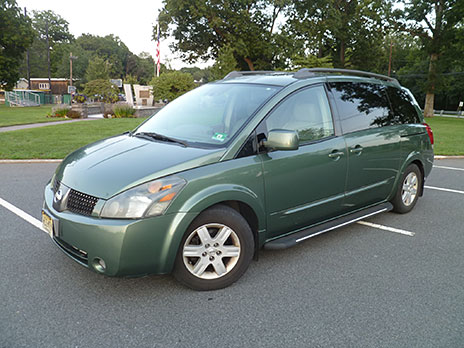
[131,20]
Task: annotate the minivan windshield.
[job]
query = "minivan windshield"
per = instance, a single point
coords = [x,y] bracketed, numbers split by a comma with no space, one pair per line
[209,115]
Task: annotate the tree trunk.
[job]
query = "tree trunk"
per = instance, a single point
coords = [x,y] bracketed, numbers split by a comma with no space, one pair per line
[342,54]
[250,63]
[431,82]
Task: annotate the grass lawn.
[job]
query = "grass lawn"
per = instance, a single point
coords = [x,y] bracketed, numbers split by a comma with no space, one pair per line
[448,134]
[59,140]
[22,115]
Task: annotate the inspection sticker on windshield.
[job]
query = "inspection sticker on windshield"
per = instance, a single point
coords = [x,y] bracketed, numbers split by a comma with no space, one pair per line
[219,136]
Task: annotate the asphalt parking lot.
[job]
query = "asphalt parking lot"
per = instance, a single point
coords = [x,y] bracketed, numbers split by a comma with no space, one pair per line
[358,286]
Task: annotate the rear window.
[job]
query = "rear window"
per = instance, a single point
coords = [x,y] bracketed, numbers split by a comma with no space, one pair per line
[403,107]
[361,105]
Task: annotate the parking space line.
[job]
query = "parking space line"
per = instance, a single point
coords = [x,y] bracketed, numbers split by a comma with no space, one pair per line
[444,189]
[450,168]
[22,214]
[386,228]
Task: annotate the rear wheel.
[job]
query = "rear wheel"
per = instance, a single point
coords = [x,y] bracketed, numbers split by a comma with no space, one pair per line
[408,190]
[216,250]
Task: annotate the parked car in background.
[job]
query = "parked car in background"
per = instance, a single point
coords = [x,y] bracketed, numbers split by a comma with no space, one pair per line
[258,159]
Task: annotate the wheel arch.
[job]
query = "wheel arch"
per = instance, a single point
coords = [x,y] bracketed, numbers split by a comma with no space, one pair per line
[241,199]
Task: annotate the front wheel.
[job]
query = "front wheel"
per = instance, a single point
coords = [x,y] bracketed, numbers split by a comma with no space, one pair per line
[216,250]
[408,190]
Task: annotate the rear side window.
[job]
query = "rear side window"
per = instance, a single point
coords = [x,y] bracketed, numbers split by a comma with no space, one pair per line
[402,105]
[361,105]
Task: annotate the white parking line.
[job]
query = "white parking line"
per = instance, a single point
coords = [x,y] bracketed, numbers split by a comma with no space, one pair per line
[450,168]
[444,189]
[22,214]
[386,228]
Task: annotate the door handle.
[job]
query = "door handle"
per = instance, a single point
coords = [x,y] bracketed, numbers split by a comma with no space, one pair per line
[357,149]
[336,154]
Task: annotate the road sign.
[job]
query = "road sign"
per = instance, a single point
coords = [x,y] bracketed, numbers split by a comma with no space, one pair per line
[71,89]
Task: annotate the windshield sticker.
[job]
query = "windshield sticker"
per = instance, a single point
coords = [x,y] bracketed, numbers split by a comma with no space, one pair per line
[219,136]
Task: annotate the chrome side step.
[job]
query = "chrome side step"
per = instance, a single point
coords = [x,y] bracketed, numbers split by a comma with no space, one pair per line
[298,237]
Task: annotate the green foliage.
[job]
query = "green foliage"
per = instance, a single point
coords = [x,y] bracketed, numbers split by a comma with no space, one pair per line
[97,69]
[123,111]
[311,61]
[59,39]
[59,111]
[202,28]
[131,79]
[141,67]
[225,63]
[16,36]
[79,98]
[101,90]
[171,85]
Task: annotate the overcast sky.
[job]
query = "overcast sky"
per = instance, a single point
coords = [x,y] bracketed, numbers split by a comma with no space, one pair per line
[131,20]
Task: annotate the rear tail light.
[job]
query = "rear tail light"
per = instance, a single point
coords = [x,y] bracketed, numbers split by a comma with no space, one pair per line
[429,132]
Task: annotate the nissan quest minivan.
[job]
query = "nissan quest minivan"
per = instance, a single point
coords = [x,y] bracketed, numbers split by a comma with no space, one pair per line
[258,159]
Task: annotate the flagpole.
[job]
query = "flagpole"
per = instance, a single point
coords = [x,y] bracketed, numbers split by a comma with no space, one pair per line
[158,51]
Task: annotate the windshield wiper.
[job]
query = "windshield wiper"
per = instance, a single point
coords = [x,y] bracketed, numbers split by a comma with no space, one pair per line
[160,137]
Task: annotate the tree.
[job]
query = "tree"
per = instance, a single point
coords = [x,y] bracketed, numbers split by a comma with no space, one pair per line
[171,85]
[16,35]
[97,69]
[349,31]
[225,63]
[201,29]
[434,22]
[101,90]
[59,39]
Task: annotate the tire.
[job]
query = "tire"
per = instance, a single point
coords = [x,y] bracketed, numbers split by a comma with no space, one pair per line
[408,190]
[215,251]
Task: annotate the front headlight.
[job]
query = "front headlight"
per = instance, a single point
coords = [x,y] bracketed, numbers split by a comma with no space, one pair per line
[149,199]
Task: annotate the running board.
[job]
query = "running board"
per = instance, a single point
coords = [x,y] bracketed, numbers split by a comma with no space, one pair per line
[297,237]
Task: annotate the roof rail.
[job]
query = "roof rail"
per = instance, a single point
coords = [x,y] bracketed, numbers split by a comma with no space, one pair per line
[305,72]
[233,74]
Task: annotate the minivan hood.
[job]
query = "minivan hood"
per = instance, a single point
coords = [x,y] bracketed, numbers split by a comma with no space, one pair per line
[113,165]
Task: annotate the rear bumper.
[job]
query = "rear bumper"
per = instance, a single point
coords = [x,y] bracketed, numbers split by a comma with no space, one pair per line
[127,247]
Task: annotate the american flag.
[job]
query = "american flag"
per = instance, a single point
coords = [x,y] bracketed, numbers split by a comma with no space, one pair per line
[158,58]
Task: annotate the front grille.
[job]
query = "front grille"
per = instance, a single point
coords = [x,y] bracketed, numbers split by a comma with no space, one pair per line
[81,203]
[75,253]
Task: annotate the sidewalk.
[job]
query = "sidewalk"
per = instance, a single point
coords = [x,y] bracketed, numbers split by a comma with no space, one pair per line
[37,125]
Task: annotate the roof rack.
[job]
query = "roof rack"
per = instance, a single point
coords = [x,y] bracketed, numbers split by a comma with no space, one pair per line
[305,72]
[233,74]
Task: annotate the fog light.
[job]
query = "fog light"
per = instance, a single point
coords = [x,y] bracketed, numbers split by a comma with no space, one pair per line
[99,265]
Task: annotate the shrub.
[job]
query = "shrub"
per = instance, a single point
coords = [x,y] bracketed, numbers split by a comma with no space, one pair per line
[172,85]
[59,111]
[123,110]
[73,114]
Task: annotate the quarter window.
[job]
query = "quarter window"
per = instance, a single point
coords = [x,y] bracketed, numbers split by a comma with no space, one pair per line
[361,105]
[307,112]
[402,105]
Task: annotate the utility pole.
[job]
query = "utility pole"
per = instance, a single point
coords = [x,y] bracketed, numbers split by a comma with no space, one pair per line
[48,58]
[390,58]
[27,62]
[70,68]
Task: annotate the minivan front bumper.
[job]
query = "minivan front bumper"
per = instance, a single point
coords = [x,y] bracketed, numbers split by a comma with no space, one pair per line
[127,247]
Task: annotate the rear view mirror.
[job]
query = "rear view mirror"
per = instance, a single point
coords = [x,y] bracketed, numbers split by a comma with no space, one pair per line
[282,139]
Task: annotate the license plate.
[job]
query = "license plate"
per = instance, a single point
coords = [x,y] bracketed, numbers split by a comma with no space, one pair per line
[47,223]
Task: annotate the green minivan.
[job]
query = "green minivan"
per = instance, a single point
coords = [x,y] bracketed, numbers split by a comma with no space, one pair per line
[258,159]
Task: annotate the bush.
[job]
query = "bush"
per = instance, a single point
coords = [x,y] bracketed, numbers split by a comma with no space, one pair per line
[172,85]
[59,111]
[73,114]
[102,90]
[123,110]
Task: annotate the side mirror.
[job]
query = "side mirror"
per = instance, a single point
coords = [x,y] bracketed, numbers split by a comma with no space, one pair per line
[282,139]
